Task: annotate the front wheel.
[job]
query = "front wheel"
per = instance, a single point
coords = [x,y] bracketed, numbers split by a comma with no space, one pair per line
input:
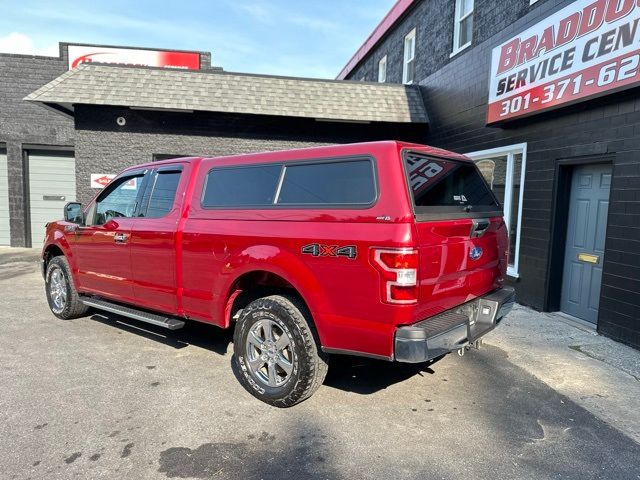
[276,351]
[62,296]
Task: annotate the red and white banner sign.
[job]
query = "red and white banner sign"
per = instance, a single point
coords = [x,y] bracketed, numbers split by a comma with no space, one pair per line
[79,54]
[587,49]
[101,180]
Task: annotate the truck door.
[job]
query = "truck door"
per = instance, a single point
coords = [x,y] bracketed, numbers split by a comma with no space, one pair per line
[153,240]
[101,246]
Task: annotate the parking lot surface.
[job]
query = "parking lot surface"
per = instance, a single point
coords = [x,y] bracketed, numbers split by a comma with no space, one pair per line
[107,397]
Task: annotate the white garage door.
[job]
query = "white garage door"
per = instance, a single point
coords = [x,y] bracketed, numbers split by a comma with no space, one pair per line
[52,183]
[5,239]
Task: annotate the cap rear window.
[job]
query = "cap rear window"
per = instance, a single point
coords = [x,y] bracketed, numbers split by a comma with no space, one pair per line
[437,182]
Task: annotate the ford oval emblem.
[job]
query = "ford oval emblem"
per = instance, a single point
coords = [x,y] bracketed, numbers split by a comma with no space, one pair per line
[475,253]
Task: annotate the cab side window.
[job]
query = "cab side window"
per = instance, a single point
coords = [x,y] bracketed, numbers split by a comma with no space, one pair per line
[328,183]
[120,200]
[163,194]
[242,186]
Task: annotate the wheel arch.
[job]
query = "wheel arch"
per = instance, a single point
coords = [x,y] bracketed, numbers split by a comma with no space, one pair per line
[50,251]
[264,281]
[58,245]
[255,284]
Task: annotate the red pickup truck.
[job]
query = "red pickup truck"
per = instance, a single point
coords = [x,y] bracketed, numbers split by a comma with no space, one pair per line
[389,250]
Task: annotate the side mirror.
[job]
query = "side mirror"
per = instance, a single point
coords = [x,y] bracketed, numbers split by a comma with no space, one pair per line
[73,213]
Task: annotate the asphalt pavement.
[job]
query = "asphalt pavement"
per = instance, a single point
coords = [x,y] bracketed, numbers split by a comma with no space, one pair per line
[105,397]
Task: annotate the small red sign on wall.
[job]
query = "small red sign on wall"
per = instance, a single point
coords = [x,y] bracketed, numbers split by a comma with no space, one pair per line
[101,180]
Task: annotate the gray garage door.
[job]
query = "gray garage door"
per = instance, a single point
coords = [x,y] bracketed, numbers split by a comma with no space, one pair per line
[4,201]
[52,183]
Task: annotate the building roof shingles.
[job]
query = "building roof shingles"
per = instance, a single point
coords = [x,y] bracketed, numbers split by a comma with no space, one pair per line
[234,93]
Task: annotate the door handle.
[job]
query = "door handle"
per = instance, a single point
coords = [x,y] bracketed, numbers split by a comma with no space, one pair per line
[120,238]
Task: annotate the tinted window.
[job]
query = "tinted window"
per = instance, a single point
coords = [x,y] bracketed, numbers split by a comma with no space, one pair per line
[241,186]
[437,182]
[120,200]
[335,183]
[163,194]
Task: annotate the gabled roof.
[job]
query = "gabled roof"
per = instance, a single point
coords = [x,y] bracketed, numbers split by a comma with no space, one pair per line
[150,88]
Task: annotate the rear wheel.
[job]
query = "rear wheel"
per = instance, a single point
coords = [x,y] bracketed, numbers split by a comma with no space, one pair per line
[62,295]
[276,351]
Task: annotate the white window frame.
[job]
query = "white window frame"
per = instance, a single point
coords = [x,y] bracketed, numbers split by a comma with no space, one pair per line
[457,24]
[411,36]
[510,152]
[382,70]
[531,2]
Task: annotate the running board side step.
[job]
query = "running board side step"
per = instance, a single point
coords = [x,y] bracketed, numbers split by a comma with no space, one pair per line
[152,318]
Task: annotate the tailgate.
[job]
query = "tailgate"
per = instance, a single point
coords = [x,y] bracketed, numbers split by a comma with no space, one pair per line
[460,233]
[456,266]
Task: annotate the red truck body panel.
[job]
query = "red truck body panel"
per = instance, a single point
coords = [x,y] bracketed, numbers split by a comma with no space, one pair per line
[189,262]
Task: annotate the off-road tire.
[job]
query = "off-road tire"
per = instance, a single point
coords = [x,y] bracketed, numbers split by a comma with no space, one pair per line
[310,364]
[73,307]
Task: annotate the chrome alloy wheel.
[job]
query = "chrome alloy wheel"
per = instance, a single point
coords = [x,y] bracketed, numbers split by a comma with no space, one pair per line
[58,289]
[270,353]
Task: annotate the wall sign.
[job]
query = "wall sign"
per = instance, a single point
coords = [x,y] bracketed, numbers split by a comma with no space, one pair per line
[587,49]
[79,54]
[101,180]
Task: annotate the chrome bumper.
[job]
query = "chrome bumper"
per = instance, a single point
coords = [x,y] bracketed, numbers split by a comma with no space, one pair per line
[452,330]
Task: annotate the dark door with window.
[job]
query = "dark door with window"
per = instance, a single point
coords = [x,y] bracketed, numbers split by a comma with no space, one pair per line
[586,232]
[101,246]
[153,242]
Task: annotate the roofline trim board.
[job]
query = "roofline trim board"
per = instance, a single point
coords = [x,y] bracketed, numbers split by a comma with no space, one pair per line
[386,24]
[95,84]
[59,109]
[70,113]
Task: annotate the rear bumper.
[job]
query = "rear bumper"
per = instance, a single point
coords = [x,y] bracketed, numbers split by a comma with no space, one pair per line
[454,329]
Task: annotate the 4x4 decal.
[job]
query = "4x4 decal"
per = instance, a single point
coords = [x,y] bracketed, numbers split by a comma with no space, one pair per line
[319,250]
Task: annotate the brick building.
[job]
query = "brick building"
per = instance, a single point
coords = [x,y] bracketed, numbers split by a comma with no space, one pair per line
[568,176]
[33,141]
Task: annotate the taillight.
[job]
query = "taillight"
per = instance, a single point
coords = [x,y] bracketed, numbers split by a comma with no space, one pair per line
[399,271]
